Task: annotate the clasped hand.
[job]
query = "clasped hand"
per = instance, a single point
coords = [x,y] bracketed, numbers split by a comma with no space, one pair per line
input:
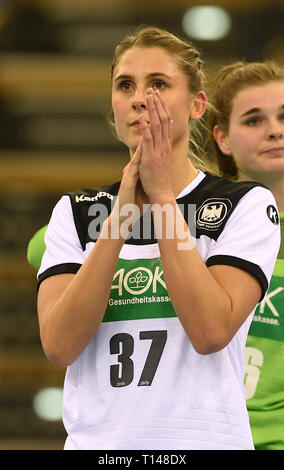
[147,177]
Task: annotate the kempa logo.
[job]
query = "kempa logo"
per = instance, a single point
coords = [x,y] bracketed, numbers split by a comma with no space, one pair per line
[138,280]
[83,198]
[212,212]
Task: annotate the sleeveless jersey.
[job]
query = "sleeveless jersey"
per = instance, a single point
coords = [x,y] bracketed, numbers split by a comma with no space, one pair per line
[139,383]
[264,359]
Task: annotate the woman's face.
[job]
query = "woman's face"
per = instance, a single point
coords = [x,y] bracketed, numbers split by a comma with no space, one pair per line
[255,136]
[138,70]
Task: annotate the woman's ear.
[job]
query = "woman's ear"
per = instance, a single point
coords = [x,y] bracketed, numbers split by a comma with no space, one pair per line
[199,106]
[222,140]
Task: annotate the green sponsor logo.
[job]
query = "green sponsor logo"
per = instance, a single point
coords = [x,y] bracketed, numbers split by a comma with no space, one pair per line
[268,318]
[138,291]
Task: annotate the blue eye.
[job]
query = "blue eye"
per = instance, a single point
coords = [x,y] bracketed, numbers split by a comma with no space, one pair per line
[253,121]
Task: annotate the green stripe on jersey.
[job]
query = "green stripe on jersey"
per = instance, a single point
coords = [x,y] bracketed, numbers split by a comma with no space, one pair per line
[279,268]
[138,291]
[268,320]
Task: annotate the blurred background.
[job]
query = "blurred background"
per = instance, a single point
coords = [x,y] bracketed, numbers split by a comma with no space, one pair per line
[54,90]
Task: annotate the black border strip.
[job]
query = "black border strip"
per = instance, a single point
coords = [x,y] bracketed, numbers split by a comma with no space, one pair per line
[71,268]
[248,266]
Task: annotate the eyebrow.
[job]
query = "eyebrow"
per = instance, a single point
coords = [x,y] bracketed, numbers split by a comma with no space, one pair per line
[257,110]
[150,75]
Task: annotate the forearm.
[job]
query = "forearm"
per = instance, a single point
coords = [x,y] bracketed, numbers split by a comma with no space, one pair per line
[72,321]
[202,306]
[74,318]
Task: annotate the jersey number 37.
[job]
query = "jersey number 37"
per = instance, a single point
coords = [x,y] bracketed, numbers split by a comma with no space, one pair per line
[122,344]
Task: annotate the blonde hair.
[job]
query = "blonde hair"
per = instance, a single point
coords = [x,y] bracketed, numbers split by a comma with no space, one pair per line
[230,80]
[187,58]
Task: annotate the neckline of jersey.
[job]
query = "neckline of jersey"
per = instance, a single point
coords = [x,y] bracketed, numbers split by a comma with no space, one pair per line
[192,185]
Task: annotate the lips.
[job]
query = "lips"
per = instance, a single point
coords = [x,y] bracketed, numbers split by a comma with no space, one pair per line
[276,151]
[136,123]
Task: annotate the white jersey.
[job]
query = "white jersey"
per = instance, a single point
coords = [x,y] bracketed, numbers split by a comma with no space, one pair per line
[139,384]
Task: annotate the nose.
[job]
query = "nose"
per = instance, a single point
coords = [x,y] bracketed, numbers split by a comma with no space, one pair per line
[276,131]
[276,135]
[139,101]
[138,105]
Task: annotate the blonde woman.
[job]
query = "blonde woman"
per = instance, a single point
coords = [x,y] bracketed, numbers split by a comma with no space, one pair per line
[147,286]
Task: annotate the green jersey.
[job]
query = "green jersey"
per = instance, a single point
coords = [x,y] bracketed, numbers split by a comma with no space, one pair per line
[36,248]
[264,361]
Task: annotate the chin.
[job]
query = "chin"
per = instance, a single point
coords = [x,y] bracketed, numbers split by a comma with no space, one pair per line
[275,166]
[267,170]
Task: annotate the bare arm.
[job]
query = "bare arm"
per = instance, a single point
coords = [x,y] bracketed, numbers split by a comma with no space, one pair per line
[211,303]
[71,307]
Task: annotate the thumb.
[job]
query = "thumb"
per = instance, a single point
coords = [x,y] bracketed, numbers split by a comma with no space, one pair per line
[138,153]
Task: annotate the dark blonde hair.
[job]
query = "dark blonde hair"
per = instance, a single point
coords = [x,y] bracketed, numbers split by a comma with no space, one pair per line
[187,59]
[230,80]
